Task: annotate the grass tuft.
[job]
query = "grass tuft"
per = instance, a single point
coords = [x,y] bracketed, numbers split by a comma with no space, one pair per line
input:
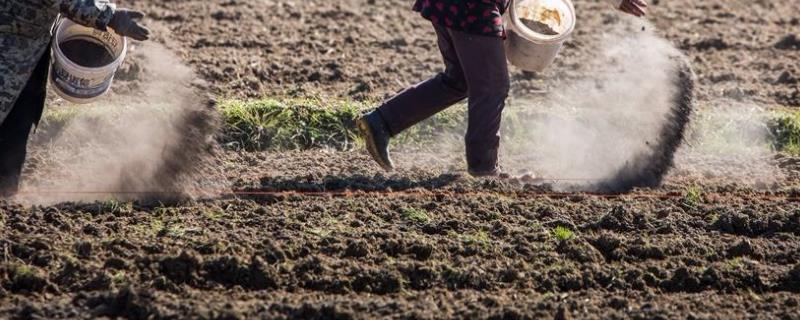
[119,278]
[116,207]
[479,238]
[785,130]
[416,215]
[693,195]
[563,233]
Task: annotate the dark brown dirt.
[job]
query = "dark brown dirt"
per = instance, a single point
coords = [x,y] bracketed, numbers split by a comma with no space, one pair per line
[371,49]
[86,53]
[426,241]
[363,256]
[480,249]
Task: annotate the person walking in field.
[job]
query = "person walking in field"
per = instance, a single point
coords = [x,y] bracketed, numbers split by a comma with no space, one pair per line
[25,35]
[470,35]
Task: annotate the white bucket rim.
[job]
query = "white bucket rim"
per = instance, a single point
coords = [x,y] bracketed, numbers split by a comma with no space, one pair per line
[537,37]
[63,23]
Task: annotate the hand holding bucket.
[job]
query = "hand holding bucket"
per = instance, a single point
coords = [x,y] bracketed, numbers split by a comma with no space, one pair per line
[635,7]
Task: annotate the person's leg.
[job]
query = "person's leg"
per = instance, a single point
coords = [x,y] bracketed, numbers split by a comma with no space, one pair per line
[429,97]
[483,61]
[414,104]
[16,128]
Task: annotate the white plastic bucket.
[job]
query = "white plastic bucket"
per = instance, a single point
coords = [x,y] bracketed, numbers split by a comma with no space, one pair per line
[533,51]
[80,83]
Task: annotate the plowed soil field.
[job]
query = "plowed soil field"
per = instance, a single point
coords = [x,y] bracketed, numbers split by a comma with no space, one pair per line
[323,234]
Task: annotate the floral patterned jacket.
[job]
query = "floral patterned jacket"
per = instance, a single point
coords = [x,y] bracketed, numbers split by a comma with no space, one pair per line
[481,17]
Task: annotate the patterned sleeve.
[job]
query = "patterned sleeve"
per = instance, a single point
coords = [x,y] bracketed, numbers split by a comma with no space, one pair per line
[91,13]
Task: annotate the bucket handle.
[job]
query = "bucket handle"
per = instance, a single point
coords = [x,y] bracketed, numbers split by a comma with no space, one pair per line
[528,33]
[54,27]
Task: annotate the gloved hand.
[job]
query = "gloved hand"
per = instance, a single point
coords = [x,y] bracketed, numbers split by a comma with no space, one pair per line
[125,24]
[635,7]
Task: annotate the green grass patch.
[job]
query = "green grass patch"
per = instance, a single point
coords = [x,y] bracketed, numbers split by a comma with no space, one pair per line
[23,273]
[563,233]
[785,130]
[416,215]
[115,206]
[291,124]
[119,278]
[276,123]
[270,124]
[479,238]
[734,264]
[214,214]
[692,195]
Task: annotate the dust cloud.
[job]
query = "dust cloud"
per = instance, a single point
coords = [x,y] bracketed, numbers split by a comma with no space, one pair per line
[730,140]
[154,144]
[616,128]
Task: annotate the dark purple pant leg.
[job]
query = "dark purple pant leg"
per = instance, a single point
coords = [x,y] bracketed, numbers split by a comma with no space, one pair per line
[475,66]
[431,96]
[483,60]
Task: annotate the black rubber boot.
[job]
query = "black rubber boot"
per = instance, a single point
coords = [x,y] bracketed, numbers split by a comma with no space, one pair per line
[376,136]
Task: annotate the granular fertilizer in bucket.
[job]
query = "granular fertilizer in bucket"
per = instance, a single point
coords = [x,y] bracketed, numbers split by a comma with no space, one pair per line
[539,27]
[86,53]
[540,18]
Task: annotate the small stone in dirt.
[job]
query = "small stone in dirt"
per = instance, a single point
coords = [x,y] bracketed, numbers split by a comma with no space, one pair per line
[563,314]
[92,230]
[579,251]
[28,311]
[225,315]
[789,42]
[620,219]
[683,280]
[742,248]
[115,263]
[715,43]
[356,249]
[733,222]
[259,276]
[100,282]
[180,269]
[126,303]
[356,224]
[421,251]
[618,303]
[83,249]
[42,259]
[792,279]
[26,279]
[786,78]
[608,245]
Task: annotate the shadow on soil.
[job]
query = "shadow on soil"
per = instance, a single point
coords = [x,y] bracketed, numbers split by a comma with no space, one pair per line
[358,183]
